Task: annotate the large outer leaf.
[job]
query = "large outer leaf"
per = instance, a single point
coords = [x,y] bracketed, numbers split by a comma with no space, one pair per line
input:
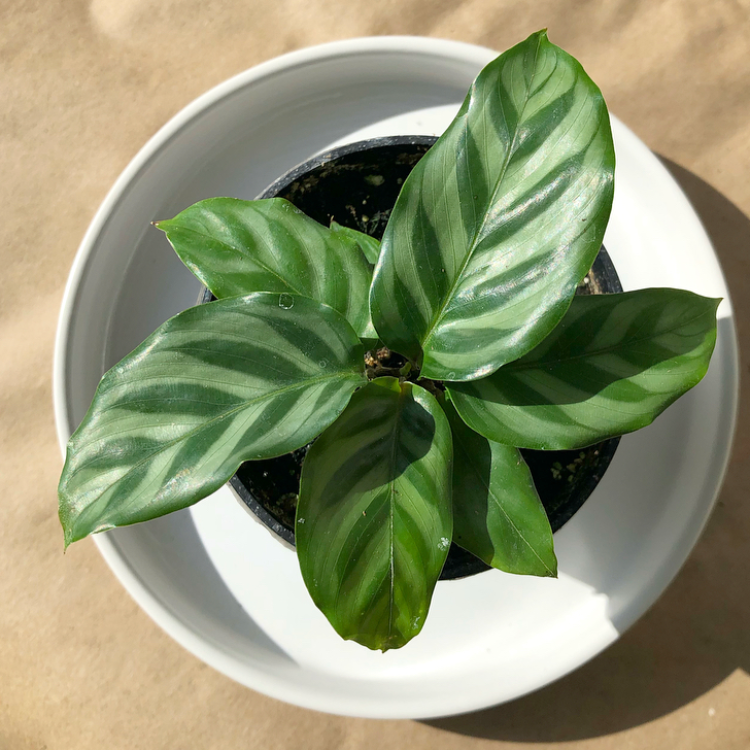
[497,513]
[612,366]
[237,247]
[374,515]
[500,219]
[218,384]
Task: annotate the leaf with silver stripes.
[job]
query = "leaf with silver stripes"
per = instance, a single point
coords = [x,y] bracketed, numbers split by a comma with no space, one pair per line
[374,523]
[234,380]
[497,513]
[500,220]
[614,363]
[237,247]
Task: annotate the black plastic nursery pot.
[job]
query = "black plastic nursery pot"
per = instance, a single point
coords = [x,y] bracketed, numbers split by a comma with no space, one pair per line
[357,186]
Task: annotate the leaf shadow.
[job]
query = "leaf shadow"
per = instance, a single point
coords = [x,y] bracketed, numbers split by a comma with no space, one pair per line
[477,463]
[697,633]
[380,454]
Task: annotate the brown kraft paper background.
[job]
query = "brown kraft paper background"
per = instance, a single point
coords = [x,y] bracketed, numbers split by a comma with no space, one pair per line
[83,85]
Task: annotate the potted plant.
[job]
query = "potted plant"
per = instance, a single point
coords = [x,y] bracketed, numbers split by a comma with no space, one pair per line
[361,182]
[472,287]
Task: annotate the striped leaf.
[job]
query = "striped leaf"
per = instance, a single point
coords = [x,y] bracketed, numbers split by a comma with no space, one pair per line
[374,515]
[500,220]
[497,513]
[369,246]
[237,247]
[612,366]
[238,379]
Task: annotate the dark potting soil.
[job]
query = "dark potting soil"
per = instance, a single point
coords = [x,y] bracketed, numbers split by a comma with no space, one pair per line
[358,188]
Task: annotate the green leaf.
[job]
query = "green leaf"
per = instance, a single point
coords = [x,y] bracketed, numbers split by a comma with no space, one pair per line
[237,379]
[238,247]
[369,246]
[497,513]
[500,220]
[374,515]
[614,363]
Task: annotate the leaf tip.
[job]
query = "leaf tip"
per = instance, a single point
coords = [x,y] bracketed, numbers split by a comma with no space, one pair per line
[68,522]
[552,567]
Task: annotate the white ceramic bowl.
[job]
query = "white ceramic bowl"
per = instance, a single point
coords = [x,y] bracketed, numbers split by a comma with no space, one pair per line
[217,581]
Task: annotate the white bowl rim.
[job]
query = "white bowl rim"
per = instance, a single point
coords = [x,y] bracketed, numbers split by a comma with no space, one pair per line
[138,588]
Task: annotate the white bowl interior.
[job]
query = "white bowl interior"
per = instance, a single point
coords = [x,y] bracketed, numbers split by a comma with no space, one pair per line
[216,580]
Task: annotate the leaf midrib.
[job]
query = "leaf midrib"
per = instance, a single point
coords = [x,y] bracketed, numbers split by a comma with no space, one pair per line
[244,254]
[391,502]
[473,243]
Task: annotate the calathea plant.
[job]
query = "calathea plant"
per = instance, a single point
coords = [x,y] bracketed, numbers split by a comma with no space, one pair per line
[473,285]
